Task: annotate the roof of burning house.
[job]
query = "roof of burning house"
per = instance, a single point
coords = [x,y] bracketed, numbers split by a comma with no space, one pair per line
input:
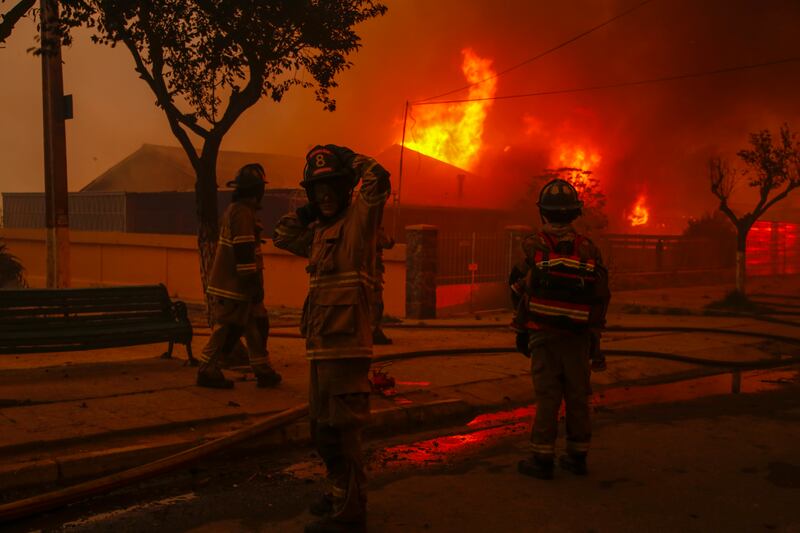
[431,182]
[154,168]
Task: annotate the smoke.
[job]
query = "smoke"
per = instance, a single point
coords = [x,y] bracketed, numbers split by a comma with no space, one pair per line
[651,139]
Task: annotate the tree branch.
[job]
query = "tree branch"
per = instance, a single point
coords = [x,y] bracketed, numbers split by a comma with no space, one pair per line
[11,18]
[174,124]
[239,102]
[777,198]
[723,206]
[156,83]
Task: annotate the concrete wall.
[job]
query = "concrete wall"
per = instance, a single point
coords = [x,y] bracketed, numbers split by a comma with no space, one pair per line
[107,259]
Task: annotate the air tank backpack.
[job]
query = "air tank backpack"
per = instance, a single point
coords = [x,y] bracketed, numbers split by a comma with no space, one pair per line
[561,285]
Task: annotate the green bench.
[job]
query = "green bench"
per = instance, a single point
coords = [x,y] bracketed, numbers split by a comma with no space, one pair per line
[59,320]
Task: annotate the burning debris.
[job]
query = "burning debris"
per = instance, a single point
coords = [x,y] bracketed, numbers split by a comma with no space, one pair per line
[640,213]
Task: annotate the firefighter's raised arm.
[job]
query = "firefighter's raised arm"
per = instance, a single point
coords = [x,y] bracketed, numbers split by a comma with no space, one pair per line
[375,188]
[293,233]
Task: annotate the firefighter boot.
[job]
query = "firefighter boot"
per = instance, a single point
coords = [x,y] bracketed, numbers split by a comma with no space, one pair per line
[213,378]
[574,462]
[268,378]
[379,337]
[538,466]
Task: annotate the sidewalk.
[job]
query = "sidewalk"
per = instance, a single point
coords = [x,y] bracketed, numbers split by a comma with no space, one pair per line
[69,416]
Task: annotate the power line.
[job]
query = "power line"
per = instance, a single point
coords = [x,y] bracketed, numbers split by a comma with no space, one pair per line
[620,84]
[542,54]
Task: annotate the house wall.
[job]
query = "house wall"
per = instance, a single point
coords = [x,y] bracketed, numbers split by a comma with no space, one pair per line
[108,259]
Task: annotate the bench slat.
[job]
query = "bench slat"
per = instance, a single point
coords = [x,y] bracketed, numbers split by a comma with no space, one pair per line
[41,320]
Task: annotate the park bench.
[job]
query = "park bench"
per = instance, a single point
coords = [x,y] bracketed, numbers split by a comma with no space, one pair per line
[58,320]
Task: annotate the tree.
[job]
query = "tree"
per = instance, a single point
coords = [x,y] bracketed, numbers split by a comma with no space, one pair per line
[208,61]
[9,18]
[717,234]
[12,273]
[768,167]
[588,187]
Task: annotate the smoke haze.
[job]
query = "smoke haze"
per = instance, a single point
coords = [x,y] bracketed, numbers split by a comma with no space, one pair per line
[652,139]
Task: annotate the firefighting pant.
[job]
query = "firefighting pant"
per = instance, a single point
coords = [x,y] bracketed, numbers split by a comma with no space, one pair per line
[377,307]
[224,337]
[339,410]
[561,371]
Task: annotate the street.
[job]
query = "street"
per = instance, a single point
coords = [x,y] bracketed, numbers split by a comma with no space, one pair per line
[712,463]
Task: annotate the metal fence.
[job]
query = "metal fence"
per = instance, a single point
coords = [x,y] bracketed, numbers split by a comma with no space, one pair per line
[474,257]
[629,254]
[773,248]
[481,257]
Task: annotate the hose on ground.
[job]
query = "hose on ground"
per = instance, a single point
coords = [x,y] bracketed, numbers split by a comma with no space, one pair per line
[51,500]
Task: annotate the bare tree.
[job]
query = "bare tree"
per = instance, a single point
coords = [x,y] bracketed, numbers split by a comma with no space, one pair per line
[770,166]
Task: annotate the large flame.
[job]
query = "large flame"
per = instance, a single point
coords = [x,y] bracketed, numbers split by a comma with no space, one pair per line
[453,133]
[640,213]
[576,157]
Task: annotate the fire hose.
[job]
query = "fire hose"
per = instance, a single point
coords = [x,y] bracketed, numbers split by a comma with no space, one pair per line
[54,499]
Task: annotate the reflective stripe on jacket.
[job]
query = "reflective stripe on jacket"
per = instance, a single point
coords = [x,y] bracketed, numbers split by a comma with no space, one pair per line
[238,265]
[337,315]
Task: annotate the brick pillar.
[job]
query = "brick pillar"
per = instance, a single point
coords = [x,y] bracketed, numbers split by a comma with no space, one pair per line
[421,269]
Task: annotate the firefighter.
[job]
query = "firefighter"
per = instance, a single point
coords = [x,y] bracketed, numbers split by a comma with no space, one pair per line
[338,231]
[236,287]
[384,243]
[561,295]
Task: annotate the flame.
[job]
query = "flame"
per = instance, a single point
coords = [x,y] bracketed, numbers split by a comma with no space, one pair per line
[577,157]
[453,133]
[640,213]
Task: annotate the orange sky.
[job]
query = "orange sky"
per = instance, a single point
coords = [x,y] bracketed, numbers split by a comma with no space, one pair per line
[652,139]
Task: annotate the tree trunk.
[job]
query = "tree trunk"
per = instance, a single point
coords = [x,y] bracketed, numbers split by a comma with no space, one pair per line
[741,258]
[207,215]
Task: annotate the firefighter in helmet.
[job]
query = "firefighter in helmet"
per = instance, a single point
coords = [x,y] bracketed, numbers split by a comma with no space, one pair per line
[236,287]
[560,292]
[337,230]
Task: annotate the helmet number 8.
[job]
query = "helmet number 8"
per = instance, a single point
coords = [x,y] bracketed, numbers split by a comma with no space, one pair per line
[319,160]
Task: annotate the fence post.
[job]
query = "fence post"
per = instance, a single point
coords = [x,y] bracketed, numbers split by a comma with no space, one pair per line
[421,258]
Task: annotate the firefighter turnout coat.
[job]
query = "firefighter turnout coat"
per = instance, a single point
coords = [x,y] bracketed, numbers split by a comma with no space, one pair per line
[336,318]
[236,276]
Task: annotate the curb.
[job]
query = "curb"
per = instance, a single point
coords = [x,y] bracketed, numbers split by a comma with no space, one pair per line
[384,421]
[72,468]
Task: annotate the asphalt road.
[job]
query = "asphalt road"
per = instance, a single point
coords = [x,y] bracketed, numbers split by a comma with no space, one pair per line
[717,463]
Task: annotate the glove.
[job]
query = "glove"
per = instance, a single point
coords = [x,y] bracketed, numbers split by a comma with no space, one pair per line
[307,214]
[598,360]
[348,158]
[522,343]
[344,154]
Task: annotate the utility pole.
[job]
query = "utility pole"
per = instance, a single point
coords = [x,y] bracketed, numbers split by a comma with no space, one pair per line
[55,150]
[399,175]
